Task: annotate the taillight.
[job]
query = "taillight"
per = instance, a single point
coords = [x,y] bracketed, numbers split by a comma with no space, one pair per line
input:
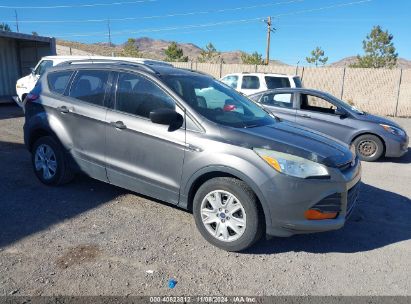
[31,97]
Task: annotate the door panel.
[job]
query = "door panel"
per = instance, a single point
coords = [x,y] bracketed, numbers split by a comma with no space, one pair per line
[140,155]
[83,113]
[317,113]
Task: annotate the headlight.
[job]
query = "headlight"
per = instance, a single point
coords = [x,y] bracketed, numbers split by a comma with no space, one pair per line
[393,130]
[292,165]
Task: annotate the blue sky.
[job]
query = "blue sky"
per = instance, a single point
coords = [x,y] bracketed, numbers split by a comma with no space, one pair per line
[237,25]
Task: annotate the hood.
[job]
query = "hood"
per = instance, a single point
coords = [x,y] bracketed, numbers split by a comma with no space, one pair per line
[292,139]
[378,120]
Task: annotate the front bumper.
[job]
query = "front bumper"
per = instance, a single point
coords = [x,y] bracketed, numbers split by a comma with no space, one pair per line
[294,196]
[396,146]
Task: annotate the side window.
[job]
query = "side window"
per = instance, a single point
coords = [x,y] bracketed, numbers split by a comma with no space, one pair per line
[316,104]
[231,81]
[41,68]
[58,81]
[277,82]
[90,86]
[282,100]
[250,82]
[139,96]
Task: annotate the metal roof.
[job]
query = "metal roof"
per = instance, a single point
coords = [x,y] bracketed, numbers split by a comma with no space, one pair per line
[21,36]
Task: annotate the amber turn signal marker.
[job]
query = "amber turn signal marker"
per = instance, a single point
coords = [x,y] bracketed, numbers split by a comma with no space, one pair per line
[273,162]
[312,214]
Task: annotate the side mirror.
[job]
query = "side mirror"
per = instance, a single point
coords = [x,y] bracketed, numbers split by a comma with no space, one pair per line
[341,112]
[165,116]
[32,71]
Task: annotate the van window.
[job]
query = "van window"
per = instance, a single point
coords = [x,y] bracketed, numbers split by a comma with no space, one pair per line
[90,86]
[42,67]
[298,83]
[58,81]
[277,82]
[231,81]
[250,82]
[139,96]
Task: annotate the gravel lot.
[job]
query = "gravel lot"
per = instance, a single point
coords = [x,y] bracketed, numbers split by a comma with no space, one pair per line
[90,238]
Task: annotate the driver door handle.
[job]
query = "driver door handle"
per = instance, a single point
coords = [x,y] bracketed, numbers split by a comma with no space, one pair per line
[63,109]
[118,124]
[305,115]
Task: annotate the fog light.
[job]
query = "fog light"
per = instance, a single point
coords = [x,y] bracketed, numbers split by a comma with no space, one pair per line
[312,214]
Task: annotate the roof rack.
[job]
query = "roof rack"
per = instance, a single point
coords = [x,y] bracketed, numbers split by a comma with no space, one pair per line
[143,66]
[195,71]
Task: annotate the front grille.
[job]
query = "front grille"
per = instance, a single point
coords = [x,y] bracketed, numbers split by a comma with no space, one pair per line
[352,198]
[331,203]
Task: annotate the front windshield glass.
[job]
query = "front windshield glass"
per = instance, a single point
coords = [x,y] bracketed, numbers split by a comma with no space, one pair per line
[344,104]
[218,102]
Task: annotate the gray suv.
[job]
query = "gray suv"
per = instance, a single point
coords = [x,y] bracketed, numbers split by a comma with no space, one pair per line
[187,139]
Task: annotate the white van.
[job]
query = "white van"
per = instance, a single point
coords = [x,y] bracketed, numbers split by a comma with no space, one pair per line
[251,83]
[26,84]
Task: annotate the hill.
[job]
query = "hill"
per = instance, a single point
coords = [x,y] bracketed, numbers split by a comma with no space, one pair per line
[402,63]
[150,48]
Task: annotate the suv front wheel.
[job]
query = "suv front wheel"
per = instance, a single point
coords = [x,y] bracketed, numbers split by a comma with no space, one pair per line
[227,215]
[49,162]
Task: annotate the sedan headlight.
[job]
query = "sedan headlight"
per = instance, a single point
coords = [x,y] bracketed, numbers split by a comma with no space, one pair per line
[292,165]
[393,130]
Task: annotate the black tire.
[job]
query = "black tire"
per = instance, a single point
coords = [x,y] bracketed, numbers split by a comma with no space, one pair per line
[63,173]
[369,147]
[253,230]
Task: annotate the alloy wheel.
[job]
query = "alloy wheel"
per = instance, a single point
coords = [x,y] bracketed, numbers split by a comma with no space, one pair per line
[223,215]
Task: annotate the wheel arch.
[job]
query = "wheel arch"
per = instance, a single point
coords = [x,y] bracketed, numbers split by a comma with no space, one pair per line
[205,174]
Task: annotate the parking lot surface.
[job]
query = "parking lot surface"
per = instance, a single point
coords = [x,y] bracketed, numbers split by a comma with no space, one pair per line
[91,238]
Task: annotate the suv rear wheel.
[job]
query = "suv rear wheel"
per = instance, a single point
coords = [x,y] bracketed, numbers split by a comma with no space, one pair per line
[227,215]
[49,162]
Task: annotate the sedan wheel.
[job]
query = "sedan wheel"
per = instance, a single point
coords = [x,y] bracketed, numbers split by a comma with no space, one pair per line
[369,147]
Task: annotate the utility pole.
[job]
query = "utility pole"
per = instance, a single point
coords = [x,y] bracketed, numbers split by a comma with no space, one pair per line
[17,21]
[109,32]
[269,30]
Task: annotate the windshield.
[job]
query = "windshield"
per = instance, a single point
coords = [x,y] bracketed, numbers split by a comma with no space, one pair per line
[345,105]
[218,102]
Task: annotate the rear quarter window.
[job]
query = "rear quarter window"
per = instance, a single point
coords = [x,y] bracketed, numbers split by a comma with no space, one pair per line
[58,81]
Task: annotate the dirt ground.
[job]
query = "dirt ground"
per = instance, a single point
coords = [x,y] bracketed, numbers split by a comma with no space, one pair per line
[90,238]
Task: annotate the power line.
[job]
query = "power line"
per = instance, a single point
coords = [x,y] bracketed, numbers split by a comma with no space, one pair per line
[91,34]
[151,30]
[166,15]
[77,5]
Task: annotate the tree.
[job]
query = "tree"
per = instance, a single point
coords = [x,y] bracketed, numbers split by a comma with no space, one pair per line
[34,33]
[175,54]
[209,54]
[130,49]
[5,27]
[317,57]
[254,58]
[379,50]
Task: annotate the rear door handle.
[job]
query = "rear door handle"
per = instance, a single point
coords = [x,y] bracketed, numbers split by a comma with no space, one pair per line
[63,109]
[305,115]
[118,124]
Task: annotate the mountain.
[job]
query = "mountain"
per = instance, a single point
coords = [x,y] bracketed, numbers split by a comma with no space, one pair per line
[150,48]
[402,62]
